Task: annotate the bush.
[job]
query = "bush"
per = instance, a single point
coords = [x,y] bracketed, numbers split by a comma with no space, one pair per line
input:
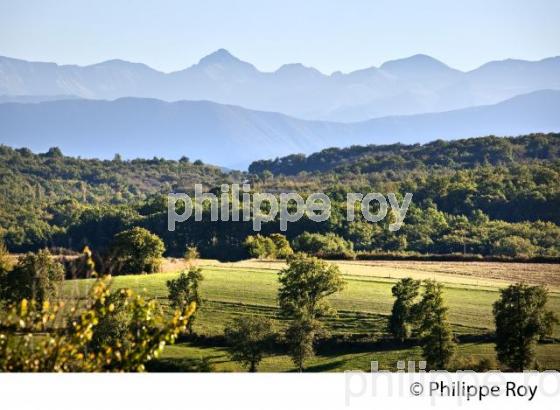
[136,250]
[5,267]
[275,246]
[35,277]
[180,365]
[328,246]
[282,246]
[46,348]
[402,314]
[5,262]
[260,246]
[81,266]
[475,364]
[515,246]
[114,324]
[191,253]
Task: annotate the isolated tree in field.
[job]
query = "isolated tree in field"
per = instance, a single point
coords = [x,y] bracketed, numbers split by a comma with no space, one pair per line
[521,320]
[438,346]
[137,250]
[304,286]
[402,317]
[249,339]
[184,290]
[35,277]
[301,335]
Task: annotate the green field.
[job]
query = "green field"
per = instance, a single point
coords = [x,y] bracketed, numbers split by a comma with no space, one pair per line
[250,287]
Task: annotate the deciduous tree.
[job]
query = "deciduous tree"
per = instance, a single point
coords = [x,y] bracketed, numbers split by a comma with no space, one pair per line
[402,318]
[304,286]
[521,320]
[185,290]
[137,250]
[438,346]
[249,339]
[35,277]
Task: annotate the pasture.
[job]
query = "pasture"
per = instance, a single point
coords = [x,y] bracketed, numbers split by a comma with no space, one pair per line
[250,287]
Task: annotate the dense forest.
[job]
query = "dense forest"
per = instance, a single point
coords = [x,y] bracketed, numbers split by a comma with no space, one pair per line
[457,154]
[485,196]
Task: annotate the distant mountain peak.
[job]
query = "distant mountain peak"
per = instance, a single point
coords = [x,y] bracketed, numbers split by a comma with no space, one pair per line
[416,62]
[220,56]
[412,85]
[115,61]
[297,68]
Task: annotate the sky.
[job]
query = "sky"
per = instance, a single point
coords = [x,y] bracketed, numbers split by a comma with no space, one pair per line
[329,35]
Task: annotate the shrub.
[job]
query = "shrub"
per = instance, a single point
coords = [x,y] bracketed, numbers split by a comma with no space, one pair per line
[282,246]
[515,246]
[476,364]
[275,246]
[48,349]
[81,266]
[260,247]
[191,253]
[5,262]
[114,324]
[328,246]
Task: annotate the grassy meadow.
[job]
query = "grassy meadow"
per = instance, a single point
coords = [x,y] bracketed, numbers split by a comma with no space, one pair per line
[250,287]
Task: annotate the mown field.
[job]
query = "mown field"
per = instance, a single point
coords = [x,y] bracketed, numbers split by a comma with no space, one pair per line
[250,287]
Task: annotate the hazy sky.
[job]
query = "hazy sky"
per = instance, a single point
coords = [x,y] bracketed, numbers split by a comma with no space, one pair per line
[329,35]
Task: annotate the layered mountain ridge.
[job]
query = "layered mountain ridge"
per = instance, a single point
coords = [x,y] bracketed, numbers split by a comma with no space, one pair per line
[412,85]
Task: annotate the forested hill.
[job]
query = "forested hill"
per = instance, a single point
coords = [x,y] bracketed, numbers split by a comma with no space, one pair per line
[486,196]
[458,154]
[95,178]
[42,194]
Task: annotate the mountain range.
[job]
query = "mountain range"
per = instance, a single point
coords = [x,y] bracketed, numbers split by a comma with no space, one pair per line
[233,137]
[413,85]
